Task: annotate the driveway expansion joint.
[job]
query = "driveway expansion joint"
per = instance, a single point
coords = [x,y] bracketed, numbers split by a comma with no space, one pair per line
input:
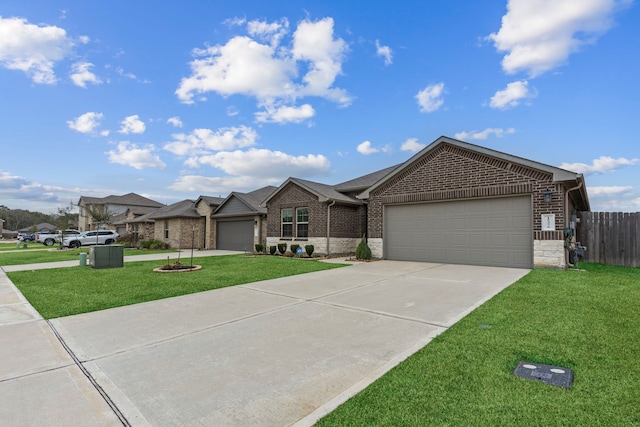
[92,380]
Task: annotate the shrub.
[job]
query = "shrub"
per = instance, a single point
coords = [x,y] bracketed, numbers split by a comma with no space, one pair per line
[129,240]
[272,250]
[363,251]
[282,248]
[259,248]
[309,249]
[294,248]
[153,244]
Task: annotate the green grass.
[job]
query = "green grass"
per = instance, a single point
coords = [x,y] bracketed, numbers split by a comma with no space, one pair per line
[66,291]
[54,255]
[586,321]
[12,246]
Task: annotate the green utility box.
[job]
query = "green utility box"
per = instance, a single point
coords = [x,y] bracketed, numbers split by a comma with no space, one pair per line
[107,256]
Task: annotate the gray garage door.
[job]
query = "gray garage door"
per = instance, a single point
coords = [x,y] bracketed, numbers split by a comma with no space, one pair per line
[496,232]
[235,235]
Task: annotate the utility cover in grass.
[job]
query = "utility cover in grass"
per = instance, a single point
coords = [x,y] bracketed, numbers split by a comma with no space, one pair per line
[552,375]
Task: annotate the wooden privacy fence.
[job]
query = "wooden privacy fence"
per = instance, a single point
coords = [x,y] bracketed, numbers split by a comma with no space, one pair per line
[610,237]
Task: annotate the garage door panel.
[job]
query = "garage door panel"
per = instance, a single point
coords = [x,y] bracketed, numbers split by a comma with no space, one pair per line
[484,232]
[235,235]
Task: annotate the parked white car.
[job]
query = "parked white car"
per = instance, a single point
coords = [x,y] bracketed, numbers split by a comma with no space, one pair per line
[100,237]
[49,239]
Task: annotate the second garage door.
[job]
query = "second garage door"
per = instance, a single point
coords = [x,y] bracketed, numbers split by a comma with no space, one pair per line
[235,235]
[494,232]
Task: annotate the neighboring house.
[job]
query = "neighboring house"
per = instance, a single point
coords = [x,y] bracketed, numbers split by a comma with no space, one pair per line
[453,202]
[329,217]
[179,225]
[43,227]
[118,205]
[206,205]
[137,224]
[240,221]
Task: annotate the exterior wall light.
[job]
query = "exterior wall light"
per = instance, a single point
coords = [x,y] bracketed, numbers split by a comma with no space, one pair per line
[547,196]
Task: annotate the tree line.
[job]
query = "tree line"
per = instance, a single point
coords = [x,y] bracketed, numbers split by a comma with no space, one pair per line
[17,219]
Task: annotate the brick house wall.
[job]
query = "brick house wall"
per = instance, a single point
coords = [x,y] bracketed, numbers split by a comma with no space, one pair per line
[181,232]
[208,229]
[449,172]
[348,223]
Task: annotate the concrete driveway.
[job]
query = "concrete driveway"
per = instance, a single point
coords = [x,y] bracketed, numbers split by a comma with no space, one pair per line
[274,353]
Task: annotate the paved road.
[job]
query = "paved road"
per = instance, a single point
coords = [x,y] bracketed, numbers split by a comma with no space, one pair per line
[274,353]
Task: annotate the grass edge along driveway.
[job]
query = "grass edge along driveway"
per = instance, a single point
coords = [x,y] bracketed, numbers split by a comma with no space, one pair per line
[588,321]
[74,290]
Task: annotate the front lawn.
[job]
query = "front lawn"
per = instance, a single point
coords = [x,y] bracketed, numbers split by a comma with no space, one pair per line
[54,255]
[66,291]
[586,321]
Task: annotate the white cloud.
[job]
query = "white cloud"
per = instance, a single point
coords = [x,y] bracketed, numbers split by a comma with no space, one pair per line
[204,141]
[602,164]
[269,32]
[132,124]
[33,49]
[539,35]
[219,185]
[608,191]
[271,72]
[499,132]
[86,123]
[285,114]
[366,148]
[262,163]
[129,154]
[412,145]
[175,121]
[384,52]
[81,74]
[430,98]
[512,95]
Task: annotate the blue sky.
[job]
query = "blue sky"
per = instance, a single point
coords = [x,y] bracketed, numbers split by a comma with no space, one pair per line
[173,100]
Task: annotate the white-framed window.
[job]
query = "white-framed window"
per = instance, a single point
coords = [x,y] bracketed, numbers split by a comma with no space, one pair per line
[287,222]
[166,228]
[302,223]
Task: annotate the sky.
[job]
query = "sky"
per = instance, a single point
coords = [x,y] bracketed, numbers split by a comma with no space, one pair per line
[177,99]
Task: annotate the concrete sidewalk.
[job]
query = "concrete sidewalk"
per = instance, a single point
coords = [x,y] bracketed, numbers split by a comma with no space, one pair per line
[273,353]
[184,254]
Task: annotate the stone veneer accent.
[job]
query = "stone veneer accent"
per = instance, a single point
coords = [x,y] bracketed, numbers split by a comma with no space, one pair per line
[549,253]
[339,245]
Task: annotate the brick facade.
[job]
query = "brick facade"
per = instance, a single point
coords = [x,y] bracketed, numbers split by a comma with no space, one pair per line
[348,222]
[450,173]
[181,232]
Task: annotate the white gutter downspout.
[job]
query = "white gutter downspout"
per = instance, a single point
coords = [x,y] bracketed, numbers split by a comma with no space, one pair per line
[329,227]
[566,216]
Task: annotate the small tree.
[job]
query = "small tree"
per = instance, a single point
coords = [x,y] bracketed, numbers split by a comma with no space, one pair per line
[363,252]
[100,215]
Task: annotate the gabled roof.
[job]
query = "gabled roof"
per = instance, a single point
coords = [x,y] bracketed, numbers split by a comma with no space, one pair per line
[211,201]
[142,210]
[182,209]
[324,192]
[130,199]
[251,200]
[559,175]
[364,182]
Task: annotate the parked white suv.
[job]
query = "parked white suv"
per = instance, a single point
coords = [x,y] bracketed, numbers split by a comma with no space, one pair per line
[100,237]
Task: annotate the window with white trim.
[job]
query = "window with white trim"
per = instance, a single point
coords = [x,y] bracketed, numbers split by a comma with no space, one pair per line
[302,223]
[287,222]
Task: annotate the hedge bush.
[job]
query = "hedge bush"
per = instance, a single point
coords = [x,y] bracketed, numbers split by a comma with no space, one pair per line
[363,251]
[309,249]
